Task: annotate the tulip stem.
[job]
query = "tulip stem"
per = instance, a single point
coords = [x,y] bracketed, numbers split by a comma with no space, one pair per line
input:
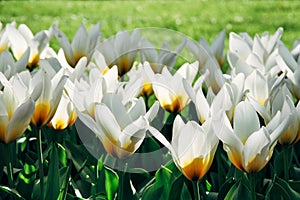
[121,182]
[196,190]
[41,161]
[286,161]
[252,183]
[9,166]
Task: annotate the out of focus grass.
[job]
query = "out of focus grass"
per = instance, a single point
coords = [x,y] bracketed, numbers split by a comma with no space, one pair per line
[192,18]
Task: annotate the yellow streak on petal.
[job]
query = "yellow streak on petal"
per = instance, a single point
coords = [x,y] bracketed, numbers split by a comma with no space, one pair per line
[235,158]
[40,114]
[105,70]
[175,106]
[257,163]
[124,65]
[147,89]
[34,61]
[73,117]
[60,124]
[197,168]
[3,47]
[288,137]
[77,56]
[261,101]
[3,126]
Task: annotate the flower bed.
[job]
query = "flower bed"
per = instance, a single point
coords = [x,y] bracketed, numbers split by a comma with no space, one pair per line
[121,118]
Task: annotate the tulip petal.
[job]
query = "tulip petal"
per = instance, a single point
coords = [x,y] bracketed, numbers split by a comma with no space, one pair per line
[19,121]
[17,40]
[107,123]
[79,43]
[133,135]
[257,145]
[114,103]
[223,130]
[245,121]
[152,112]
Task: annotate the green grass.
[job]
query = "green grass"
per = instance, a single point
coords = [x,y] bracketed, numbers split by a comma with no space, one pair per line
[192,18]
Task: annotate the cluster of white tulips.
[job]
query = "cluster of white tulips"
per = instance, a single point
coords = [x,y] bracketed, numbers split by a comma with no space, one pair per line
[118,87]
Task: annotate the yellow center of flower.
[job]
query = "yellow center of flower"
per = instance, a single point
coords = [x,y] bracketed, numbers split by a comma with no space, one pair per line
[174,106]
[147,89]
[124,65]
[196,169]
[40,114]
[34,61]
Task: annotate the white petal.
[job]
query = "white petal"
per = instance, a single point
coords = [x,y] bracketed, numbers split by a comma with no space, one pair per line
[223,130]
[245,121]
[20,120]
[114,103]
[256,144]
[152,112]
[17,40]
[107,122]
[80,43]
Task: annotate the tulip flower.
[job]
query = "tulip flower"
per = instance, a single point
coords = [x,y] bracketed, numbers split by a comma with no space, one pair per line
[65,114]
[165,57]
[4,41]
[258,87]
[15,111]
[145,71]
[248,145]
[296,50]
[83,44]
[86,94]
[207,62]
[169,90]
[98,62]
[22,38]
[217,47]
[9,67]
[246,55]
[47,102]
[292,134]
[288,64]
[194,147]
[121,128]
[121,50]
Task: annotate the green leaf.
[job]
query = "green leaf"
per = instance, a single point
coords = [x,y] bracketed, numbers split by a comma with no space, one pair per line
[295,185]
[162,185]
[185,194]
[238,191]
[111,183]
[225,188]
[10,192]
[80,157]
[140,178]
[176,188]
[282,189]
[64,185]
[62,155]
[53,175]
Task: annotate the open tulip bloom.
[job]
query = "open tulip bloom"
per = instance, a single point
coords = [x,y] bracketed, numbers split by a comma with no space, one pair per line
[248,145]
[83,44]
[169,89]
[15,111]
[121,128]
[192,146]
[22,38]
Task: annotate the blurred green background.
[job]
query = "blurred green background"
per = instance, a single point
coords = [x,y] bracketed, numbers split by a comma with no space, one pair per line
[192,18]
